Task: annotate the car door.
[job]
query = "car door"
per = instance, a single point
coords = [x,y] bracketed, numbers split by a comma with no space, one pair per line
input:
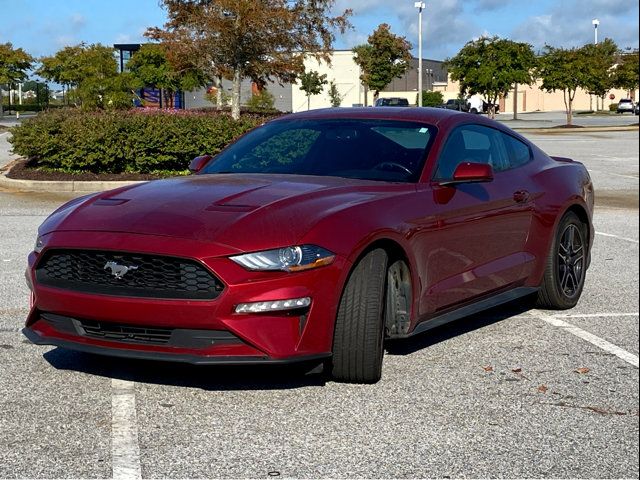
[482,227]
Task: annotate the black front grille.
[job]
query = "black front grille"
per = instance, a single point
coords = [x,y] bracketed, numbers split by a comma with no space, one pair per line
[126,333]
[141,334]
[127,274]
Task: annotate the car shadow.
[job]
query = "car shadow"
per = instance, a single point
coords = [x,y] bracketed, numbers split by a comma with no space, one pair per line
[259,377]
[410,345]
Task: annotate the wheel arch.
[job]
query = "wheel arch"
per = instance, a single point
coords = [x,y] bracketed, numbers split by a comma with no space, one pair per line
[395,251]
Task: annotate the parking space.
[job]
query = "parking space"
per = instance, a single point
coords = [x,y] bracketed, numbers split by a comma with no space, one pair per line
[511,392]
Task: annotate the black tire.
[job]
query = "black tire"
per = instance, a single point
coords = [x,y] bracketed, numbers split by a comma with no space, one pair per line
[359,331]
[566,266]
[474,111]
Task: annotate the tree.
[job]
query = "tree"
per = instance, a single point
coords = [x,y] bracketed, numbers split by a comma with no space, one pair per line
[334,95]
[599,69]
[239,39]
[14,64]
[92,71]
[262,101]
[491,67]
[384,57]
[151,67]
[626,72]
[566,70]
[312,83]
[40,89]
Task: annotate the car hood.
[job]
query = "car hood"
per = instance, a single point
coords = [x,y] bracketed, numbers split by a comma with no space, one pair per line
[237,210]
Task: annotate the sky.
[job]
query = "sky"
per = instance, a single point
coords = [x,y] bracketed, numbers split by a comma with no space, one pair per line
[42,27]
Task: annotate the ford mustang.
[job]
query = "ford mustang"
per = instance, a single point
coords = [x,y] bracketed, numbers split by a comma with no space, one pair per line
[314,238]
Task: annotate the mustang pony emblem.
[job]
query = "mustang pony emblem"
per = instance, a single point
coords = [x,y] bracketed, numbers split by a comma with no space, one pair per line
[118,270]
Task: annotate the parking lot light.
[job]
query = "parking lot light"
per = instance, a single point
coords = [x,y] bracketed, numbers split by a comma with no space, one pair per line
[420,6]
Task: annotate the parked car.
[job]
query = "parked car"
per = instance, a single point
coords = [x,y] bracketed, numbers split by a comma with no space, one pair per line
[456,104]
[637,109]
[392,102]
[477,105]
[315,238]
[626,105]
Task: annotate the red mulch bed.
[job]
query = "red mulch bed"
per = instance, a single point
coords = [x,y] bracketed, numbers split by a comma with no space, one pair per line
[21,171]
[568,126]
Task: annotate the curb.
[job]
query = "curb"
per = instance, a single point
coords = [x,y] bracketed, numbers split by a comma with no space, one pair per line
[61,186]
[561,131]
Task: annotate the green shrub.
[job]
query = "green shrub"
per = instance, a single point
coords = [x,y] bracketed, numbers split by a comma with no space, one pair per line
[261,101]
[132,141]
[431,99]
[613,107]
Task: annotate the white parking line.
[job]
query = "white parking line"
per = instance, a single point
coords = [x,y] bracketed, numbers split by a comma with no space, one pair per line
[610,235]
[634,177]
[589,337]
[596,315]
[125,451]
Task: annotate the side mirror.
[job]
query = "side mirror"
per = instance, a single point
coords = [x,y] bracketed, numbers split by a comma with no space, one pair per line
[468,172]
[198,163]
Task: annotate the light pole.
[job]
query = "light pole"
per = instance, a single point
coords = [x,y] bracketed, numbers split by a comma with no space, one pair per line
[420,6]
[595,22]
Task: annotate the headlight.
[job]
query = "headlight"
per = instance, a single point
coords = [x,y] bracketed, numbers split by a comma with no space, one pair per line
[288,259]
[39,245]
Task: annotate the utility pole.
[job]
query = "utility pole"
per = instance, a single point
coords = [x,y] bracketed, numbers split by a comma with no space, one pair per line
[595,22]
[420,6]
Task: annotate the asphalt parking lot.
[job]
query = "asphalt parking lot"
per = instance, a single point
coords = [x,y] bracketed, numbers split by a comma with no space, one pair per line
[509,393]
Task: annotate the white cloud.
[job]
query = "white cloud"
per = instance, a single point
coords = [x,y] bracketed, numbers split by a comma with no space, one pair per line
[77,21]
[568,24]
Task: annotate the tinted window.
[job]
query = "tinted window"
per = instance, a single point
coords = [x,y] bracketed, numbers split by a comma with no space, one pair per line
[366,149]
[476,144]
[519,152]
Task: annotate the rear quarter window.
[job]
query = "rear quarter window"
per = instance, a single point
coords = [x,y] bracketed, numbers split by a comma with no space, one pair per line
[519,152]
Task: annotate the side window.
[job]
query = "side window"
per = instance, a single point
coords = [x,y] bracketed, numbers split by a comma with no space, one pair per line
[472,143]
[519,152]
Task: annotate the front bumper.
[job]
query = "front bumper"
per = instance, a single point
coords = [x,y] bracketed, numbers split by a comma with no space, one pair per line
[274,337]
[193,359]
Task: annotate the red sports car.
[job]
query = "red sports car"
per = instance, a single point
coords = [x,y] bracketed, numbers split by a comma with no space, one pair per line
[314,238]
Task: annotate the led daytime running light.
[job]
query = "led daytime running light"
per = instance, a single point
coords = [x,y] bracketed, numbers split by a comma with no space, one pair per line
[274,305]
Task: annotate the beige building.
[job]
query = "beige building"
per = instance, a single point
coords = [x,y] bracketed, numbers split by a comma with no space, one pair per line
[346,73]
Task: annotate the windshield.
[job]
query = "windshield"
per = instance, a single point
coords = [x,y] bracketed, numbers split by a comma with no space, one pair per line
[381,150]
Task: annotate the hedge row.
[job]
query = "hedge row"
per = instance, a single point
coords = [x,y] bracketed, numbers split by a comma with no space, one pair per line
[134,141]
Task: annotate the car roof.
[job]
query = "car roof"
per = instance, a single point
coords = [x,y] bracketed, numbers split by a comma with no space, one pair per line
[428,115]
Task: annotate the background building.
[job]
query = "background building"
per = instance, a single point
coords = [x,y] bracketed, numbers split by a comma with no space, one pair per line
[345,73]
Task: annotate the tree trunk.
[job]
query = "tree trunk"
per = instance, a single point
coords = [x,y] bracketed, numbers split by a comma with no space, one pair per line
[492,107]
[308,102]
[219,93]
[567,106]
[570,112]
[235,96]
[515,101]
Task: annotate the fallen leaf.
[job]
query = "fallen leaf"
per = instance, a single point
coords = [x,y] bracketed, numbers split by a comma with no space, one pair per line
[488,368]
[583,370]
[543,389]
[516,370]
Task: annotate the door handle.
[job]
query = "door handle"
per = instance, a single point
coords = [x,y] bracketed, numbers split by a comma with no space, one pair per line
[521,196]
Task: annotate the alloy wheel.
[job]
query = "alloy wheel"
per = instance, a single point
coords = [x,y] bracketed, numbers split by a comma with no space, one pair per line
[571,261]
